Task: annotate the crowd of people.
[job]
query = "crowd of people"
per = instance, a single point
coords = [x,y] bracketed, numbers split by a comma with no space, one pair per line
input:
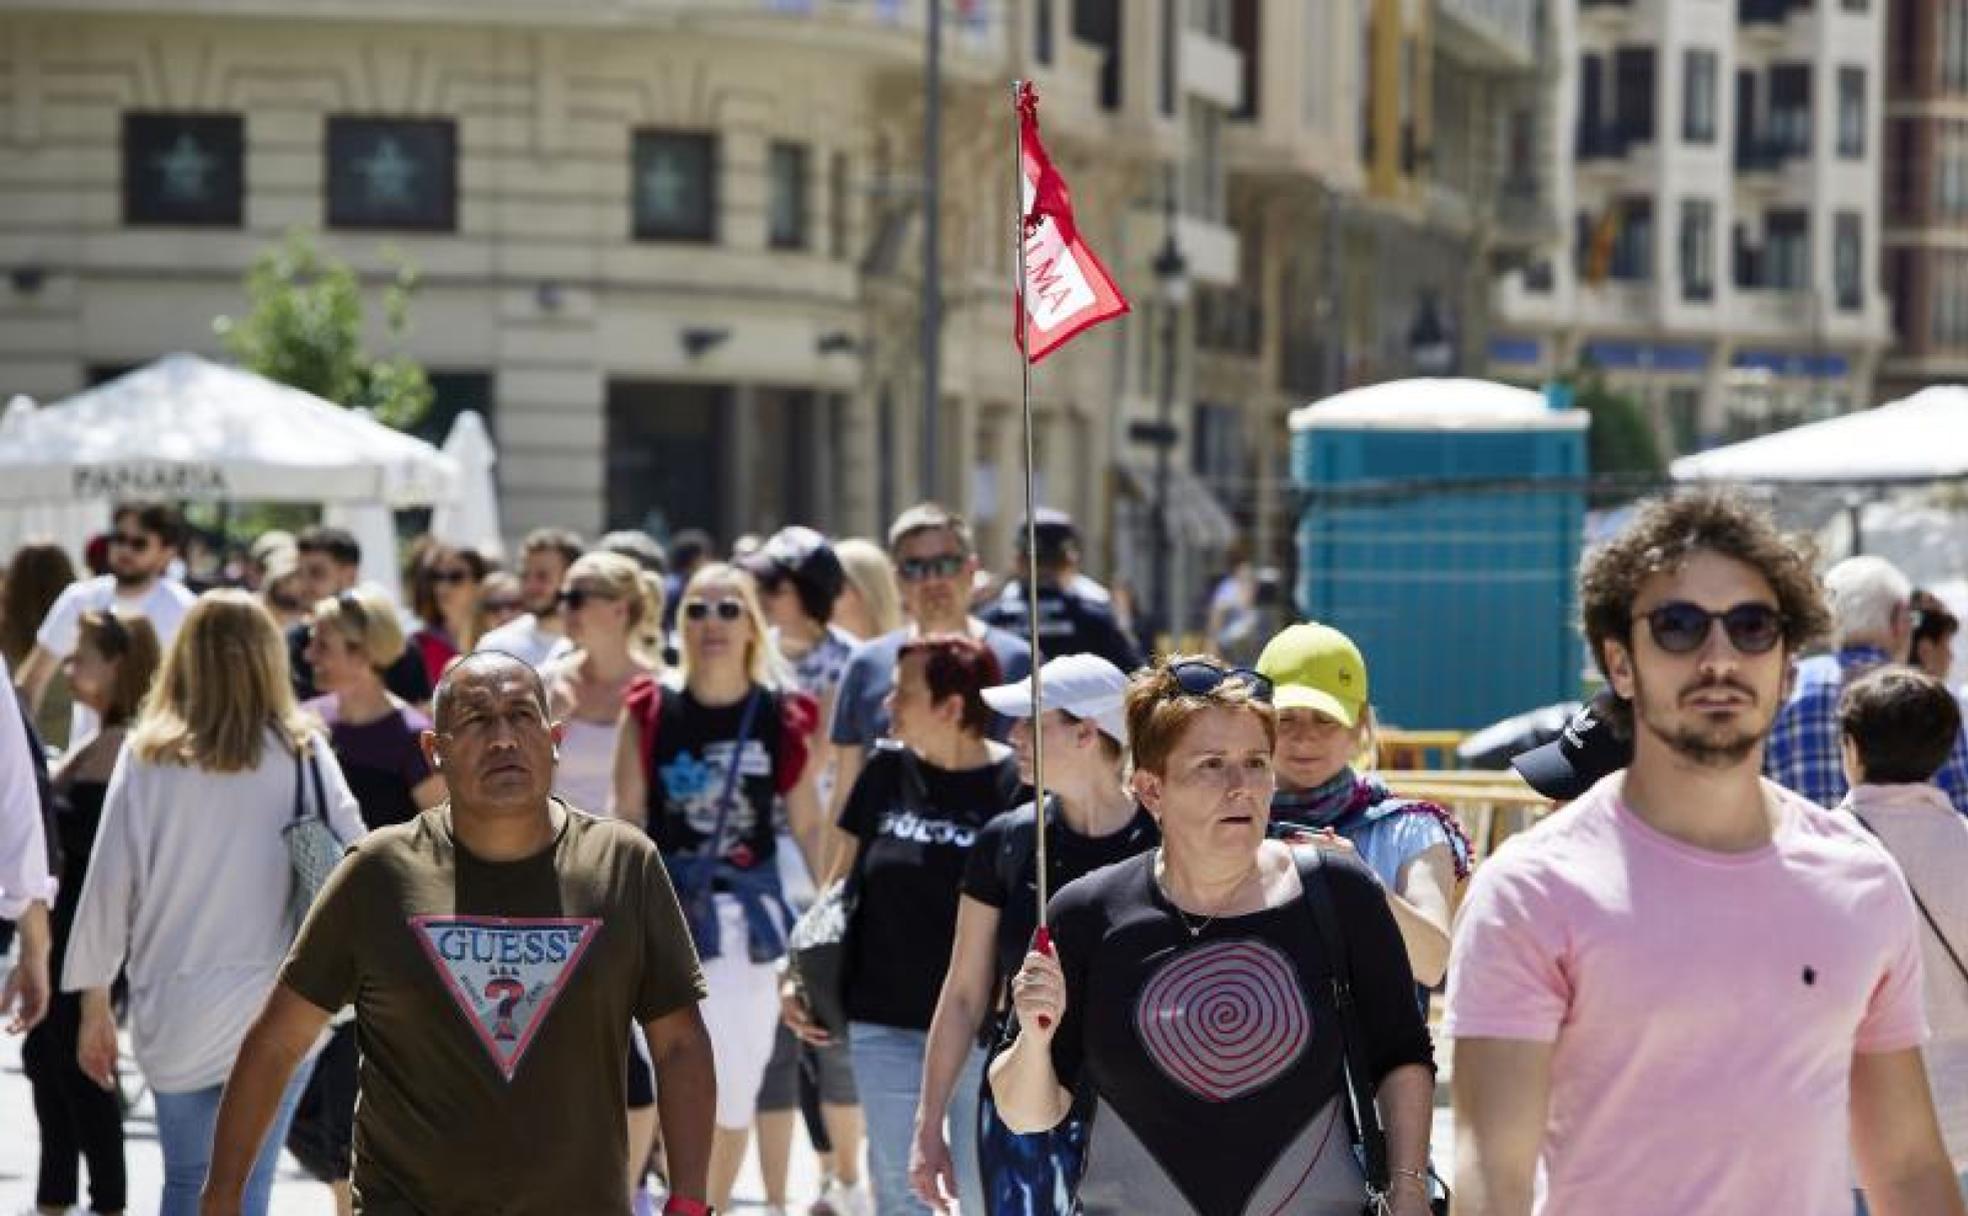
[652,857]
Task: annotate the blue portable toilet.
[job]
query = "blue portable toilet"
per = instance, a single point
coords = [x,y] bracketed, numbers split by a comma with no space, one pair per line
[1426,536]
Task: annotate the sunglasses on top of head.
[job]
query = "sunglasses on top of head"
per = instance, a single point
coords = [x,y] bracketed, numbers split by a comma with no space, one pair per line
[700,610]
[1683,628]
[1201,677]
[916,569]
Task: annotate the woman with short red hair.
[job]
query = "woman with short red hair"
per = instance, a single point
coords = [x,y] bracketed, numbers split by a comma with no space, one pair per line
[902,841]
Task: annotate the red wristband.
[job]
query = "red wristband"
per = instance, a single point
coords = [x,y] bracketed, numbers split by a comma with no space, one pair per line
[677,1205]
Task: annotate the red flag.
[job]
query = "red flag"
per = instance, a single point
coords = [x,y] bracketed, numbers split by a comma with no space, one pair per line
[1066,289]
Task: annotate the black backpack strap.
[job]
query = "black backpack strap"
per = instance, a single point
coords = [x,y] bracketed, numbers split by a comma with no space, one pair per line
[1360,1083]
[1020,847]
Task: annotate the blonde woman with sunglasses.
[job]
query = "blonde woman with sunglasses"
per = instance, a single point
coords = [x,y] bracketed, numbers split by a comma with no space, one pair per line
[190,880]
[703,762]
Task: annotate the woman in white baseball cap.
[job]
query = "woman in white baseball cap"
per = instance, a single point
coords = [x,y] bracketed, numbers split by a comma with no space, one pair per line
[1091,821]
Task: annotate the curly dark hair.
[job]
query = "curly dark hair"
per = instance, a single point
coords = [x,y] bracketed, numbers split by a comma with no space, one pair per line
[1667,533]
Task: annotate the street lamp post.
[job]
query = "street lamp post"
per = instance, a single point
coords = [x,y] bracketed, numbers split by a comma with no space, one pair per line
[1172,276]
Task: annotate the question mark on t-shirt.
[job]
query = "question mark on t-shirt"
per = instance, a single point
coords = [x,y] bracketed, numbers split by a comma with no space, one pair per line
[507,992]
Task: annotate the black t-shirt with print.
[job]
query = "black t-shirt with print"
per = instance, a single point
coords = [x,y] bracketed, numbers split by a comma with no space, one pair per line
[1007,846]
[692,761]
[916,823]
[1217,1051]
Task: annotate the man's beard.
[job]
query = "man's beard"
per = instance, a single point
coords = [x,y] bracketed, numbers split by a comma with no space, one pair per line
[1720,746]
[131,578]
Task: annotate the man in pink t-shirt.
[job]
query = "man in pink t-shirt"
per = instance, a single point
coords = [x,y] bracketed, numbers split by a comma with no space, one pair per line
[1692,991]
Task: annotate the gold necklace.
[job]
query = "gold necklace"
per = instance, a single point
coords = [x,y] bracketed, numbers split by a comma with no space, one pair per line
[1195,930]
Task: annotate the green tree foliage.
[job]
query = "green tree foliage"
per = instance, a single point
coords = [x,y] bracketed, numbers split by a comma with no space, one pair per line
[1622,440]
[303,327]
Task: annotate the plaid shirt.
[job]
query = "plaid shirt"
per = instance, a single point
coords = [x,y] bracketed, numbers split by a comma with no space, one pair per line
[1803,751]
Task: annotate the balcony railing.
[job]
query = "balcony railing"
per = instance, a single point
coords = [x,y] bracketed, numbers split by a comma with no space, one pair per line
[1761,155]
[1603,143]
[1768,12]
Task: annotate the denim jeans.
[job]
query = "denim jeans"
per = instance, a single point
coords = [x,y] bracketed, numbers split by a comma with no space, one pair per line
[888,1068]
[185,1125]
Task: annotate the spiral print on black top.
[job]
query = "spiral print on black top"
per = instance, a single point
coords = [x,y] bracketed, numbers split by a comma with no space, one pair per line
[1224,1019]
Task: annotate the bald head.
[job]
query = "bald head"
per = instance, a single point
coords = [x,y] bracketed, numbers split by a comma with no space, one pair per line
[479,675]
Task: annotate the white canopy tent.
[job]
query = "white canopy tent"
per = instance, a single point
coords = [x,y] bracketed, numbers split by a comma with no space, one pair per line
[470,519]
[1921,438]
[185,427]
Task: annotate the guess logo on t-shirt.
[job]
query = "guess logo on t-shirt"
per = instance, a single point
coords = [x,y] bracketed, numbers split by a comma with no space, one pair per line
[505,973]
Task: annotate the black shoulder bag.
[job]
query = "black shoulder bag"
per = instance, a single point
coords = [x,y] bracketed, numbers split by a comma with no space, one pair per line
[1369,1137]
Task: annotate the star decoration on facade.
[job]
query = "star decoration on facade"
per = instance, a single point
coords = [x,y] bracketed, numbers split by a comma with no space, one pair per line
[391,175]
[665,188]
[185,170]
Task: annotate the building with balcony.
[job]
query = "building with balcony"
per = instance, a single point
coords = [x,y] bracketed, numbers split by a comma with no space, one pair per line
[1722,186]
[671,248]
[1925,183]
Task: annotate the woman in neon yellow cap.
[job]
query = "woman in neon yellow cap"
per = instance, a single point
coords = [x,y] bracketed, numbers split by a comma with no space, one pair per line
[1324,721]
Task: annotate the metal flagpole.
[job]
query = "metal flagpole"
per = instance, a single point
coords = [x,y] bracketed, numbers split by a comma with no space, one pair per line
[1044,939]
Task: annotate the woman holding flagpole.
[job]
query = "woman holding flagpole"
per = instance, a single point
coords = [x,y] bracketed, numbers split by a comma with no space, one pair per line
[1188,995]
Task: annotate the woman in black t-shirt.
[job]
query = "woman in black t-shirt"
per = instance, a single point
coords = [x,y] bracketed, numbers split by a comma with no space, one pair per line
[905,831]
[116,657]
[727,729]
[1189,1001]
[1091,822]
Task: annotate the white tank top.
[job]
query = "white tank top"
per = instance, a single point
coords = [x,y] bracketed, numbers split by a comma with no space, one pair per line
[585,776]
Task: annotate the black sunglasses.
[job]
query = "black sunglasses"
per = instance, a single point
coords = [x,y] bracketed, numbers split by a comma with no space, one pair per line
[916,569]
[1682,628]
[1200,677]
[502,605]
[450,576]
[727,610]
[129,540]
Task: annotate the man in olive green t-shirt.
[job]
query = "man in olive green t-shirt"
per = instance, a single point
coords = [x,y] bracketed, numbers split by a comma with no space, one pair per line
[496,950]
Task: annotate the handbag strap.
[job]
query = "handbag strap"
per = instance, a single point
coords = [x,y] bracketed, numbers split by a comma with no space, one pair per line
[1365,1116]
[300,789]
[714,847]
[1924,913]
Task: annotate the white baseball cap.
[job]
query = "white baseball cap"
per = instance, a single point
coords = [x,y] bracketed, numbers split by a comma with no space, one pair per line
[1084,685]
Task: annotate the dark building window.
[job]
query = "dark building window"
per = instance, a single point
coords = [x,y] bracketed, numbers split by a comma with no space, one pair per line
[666,444]
[786,201]
[184,169]
[1698,71]
[1633,92]
[1790,108]
[1848,261]
[1787,258]
[1697,249]
[1246,35]
[452,393]
[1042,31]
[393,173]
[675,187]
[1098,24]
[1633,247]
[1851,113]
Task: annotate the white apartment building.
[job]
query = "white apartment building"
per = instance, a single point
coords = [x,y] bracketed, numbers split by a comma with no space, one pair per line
[671,248]
[1722,184]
